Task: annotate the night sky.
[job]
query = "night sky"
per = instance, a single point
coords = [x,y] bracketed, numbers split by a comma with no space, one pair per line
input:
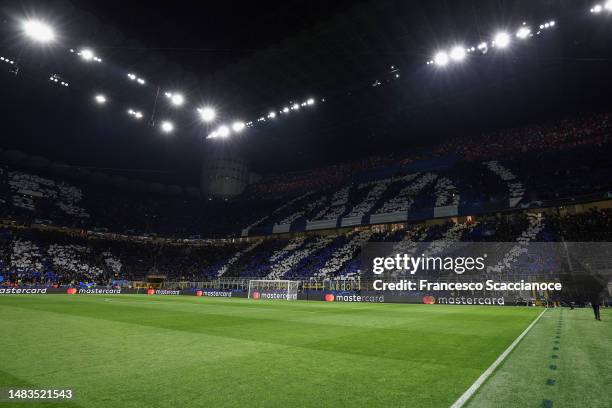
[248,57]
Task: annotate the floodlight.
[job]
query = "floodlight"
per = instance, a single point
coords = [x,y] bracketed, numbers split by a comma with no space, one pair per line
[207,114]
[238,126]
[441,58]
[131,76]
[87,54]
[597,9]
[607,6]
[295,106]
[140,81]
[100,99]
[136,114]
[38,31]
[285,109]
[523,32]
[457,53]
[223,131]
[502,40]
[310,101]
[177,99]
[272,115]
[167,126]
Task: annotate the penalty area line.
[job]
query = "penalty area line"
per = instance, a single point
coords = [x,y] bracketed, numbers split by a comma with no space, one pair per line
[483,377]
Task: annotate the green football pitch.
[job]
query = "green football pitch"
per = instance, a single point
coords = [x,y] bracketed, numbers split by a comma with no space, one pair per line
[156,351]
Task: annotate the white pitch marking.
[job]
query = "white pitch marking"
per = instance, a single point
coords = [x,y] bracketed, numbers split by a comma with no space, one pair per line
[472,390]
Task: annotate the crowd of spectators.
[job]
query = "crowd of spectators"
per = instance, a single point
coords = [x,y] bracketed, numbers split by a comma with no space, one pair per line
[590,129]
[561,160]
[32,256]
[44,257]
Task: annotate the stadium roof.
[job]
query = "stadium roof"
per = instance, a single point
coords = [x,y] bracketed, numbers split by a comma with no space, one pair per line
[248,59]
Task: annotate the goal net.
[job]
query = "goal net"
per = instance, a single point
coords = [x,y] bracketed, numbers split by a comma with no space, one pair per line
[273,289]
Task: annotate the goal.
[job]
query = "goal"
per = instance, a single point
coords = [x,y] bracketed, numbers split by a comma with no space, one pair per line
[273,289]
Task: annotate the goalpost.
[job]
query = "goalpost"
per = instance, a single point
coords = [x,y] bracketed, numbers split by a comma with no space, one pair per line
[273,289]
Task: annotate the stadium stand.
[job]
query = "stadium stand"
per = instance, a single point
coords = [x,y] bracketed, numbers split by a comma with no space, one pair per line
[33,256]
[64,231]
[492,172]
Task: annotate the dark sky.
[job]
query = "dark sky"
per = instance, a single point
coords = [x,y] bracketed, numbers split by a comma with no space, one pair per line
[248,57]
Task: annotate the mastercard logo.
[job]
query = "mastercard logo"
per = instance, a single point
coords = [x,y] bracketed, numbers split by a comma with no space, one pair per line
[255,295]
[429,300]
[330,297]
[71,291]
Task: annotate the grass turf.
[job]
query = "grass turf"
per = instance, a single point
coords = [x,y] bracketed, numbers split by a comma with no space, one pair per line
[155,351]
[564,362]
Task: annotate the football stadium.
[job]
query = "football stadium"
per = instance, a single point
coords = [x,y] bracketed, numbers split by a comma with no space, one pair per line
[367,203]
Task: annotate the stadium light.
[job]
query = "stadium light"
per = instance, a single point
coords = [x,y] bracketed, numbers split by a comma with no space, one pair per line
[100,99]
[136,114]
[167,126]
[523,32]
[295,106]
[502,40]
[441,58]
[223,131]
[458,53]
[285,109]
[176,99]
[134,77]
[207,114]
[238,127]
[310,101]
[607,6]
[271,115]
[597,9]
[58,80]
[87,54]
[483,47]
[39,31]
